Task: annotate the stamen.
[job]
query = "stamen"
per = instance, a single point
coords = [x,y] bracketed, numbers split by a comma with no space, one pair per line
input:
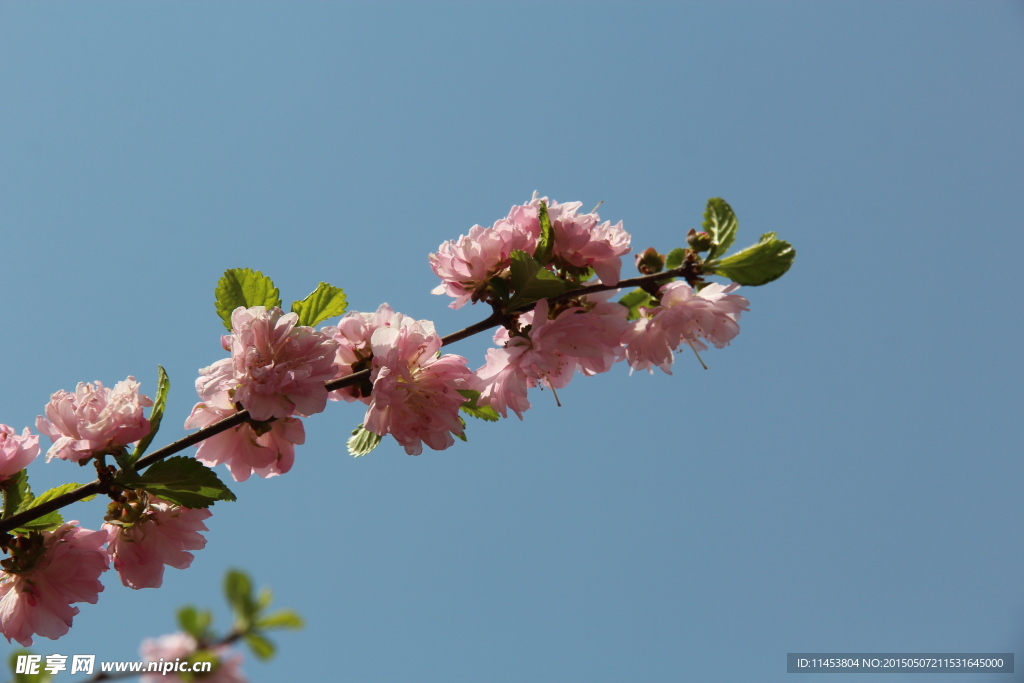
[696,354]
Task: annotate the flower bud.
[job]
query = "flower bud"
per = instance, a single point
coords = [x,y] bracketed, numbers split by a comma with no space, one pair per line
[698,241]
[650,262]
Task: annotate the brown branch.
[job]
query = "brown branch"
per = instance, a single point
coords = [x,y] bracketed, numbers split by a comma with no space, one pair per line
[690,271]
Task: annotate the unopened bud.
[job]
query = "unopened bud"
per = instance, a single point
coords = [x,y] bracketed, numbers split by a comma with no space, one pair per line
[698,241]
[650,262]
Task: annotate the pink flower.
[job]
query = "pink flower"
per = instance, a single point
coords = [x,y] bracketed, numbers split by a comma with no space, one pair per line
[353,335]
[45,575]
[158,534]
[94,419]
[579,240]
[587,338]
[16,452]
[416,395]
[266,448]
[684,316]
[712,313]
[466,265]
[280,368]
[172,653]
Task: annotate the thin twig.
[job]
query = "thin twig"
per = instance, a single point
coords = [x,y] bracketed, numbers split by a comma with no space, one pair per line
[687,270]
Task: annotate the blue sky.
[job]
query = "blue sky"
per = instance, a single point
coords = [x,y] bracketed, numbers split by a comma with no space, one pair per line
[845,477]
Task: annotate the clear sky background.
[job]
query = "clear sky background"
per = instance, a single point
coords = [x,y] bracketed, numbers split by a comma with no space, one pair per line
[847,475]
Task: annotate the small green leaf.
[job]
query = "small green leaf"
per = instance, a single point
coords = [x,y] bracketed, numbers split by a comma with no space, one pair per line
[163,385]
[238,588]
[51,520]
[194,622]
[719,222]
[473,408]
[284,618]
[50,494]
[184,481]
[531,282]
[264,598]
[243,287]
[194,659]
[759,264]
[499,286]
[326,301]
[362,441]
[634,300]
[260,646]
[675,258]
[17,494]
[461,435]
[42,677]
[546,241]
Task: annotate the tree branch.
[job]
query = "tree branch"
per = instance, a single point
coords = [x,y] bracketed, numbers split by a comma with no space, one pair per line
[690,271]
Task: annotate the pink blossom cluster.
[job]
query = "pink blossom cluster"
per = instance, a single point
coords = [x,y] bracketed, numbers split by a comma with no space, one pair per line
[684,316]
[467,264]
[415,391]
[593,336]
[51,570]
[550,350]
[181,647]
[277,369]
[94,419]
[150,534]
[47,574]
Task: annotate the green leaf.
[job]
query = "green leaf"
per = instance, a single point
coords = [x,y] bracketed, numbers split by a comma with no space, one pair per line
[41,677]
[675,258]
[163,385]
[326,301]
[634,300]
[546,242]
[184,481]
[260,646]
[17,493]
[51,520]
[50,494]
[284,618]
[499,286]
[264,598]
[243,287]
[719,222]
[462,435]
[194,622]
[473,408]
[531,282]
[238,588]
[362,441]
[759,264]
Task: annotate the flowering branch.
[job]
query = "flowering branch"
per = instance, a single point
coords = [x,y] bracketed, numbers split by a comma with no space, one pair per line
[495,319]
[536,271]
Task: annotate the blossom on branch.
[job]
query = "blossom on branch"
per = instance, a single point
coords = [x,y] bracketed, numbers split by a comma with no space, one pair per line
[684,316]
[46,573]
[147,533]
[171,649]
[263,448]
[466,265]
[353,334]
[416,395]
[587,338]
[580,240]
[94,419]
[16,452]
[280,367]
